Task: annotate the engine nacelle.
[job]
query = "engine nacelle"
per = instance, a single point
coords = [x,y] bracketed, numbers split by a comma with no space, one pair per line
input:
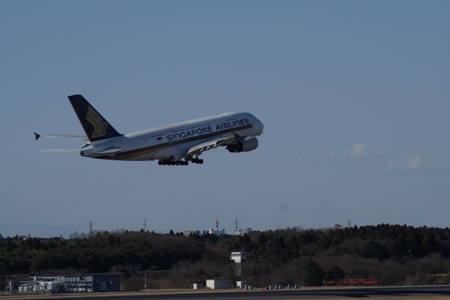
[245,145]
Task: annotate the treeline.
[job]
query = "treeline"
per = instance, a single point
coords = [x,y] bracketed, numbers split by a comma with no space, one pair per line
[392,254]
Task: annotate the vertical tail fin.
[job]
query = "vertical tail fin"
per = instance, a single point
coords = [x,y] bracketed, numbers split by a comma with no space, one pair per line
[95,126]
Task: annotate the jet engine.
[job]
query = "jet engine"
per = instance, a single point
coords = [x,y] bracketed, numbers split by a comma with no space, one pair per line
[245,145]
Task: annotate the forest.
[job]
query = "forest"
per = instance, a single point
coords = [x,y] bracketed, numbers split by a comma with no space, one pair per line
[389,254]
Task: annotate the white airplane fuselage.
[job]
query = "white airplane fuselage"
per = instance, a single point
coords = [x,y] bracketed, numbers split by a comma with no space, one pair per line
[174,144]
[175,140]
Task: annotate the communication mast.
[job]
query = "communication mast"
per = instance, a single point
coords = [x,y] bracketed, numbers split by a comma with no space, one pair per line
[216,229]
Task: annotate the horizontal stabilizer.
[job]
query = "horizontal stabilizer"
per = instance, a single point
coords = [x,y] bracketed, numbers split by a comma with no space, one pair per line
[65,151]
[64,137]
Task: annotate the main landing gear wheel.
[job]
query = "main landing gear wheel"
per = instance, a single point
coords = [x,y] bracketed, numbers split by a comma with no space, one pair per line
[197,160]
[180,162]
[172,162]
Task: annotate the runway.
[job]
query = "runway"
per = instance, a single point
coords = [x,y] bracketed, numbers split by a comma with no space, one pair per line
[410,292]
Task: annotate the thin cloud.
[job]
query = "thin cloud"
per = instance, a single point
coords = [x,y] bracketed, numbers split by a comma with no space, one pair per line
[411,164]
[365,154]
[359,150]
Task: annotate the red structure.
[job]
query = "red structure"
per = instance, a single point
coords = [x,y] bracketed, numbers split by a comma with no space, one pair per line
[353,282]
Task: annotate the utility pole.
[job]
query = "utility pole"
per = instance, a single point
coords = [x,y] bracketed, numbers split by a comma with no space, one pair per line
[145,284]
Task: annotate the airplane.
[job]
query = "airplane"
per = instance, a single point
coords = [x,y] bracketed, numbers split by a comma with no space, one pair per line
[174,144]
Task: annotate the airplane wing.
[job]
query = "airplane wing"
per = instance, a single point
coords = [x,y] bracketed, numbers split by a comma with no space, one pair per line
[211,144]
[65,137]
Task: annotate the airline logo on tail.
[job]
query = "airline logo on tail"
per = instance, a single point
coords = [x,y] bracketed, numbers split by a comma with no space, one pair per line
[97,122]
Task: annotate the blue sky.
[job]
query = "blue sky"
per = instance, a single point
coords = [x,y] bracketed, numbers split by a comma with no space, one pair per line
[354,96]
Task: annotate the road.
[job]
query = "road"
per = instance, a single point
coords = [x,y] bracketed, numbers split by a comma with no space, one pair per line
[416,292]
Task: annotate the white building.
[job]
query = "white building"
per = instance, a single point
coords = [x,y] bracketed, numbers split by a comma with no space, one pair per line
[216,284]
[238,257]
[243,231]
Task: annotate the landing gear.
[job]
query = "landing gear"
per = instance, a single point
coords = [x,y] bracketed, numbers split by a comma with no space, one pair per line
[197,160]
[173,162]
